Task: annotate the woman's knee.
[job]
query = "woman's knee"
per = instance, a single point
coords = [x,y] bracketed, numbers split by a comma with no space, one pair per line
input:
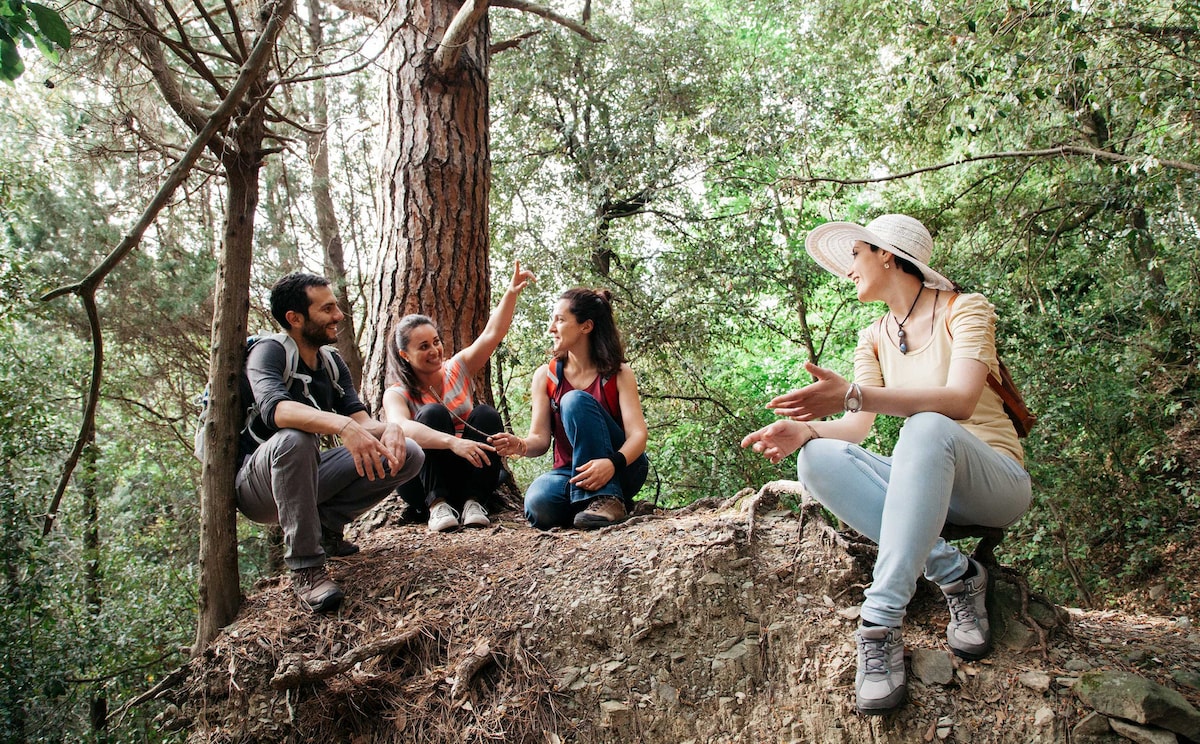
[928,429]
[436,416]
[485,418]
[814,460]
[575,401]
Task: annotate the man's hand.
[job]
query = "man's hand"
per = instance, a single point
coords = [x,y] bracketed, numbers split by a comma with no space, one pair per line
[822,398]
[593,475]
[394,442]
[471,451]
[369,453]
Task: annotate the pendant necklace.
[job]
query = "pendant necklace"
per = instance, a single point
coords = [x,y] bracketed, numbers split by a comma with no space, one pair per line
[900,334]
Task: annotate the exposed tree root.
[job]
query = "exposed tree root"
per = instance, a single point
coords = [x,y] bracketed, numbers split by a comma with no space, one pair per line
[294,670]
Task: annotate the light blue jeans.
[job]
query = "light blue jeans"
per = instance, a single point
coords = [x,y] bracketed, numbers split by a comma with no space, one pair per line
[939,472]
[552,501]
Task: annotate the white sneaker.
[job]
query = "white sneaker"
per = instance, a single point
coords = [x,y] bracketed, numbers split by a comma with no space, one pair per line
[442,518]
[474,515]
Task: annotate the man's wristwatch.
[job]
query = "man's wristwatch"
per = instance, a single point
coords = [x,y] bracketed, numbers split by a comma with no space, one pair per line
[853,401]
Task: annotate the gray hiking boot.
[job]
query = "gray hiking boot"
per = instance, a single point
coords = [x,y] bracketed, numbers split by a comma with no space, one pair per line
[969,632]
[603,511]
[315,590]
[879,685]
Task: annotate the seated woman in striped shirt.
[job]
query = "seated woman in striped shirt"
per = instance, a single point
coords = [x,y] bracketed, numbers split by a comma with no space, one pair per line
[461,468]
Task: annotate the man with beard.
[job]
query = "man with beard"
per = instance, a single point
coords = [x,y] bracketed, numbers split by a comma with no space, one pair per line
[297,398]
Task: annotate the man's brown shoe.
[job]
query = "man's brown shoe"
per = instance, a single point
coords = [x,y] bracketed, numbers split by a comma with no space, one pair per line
[315,590]
[602,512]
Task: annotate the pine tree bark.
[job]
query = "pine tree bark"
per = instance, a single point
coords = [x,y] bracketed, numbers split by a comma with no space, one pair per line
[433,254]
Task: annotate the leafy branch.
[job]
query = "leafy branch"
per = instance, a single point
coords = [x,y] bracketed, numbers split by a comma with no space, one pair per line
[28,24]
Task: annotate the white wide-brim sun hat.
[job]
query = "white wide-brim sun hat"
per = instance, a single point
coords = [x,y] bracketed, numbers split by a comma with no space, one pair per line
[830,245]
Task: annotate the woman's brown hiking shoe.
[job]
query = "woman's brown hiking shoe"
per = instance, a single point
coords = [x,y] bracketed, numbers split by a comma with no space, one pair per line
[602,512]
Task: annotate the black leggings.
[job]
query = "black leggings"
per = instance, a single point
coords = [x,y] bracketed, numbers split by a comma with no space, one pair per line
[446,475]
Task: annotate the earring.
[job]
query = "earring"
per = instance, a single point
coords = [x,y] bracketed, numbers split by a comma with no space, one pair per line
[887,266]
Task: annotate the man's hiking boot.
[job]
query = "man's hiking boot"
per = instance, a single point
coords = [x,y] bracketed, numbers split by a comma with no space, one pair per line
[602,512]
[315,590]
[474,515]
[879,684]
[969,632]
[336,546]
[442,517]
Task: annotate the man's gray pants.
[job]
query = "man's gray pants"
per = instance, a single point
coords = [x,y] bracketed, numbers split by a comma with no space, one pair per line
[290,481]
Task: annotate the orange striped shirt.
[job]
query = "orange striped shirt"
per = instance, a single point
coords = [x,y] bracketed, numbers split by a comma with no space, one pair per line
[458,391]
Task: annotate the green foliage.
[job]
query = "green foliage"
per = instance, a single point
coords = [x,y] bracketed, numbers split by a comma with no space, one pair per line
[24,23]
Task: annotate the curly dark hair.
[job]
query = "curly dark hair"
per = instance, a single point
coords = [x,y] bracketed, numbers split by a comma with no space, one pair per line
[604,342]
[290,293]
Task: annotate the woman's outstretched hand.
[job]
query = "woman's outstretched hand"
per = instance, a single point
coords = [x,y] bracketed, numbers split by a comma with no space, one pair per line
[778,440]
[822,398]
[520,279]
[508,445]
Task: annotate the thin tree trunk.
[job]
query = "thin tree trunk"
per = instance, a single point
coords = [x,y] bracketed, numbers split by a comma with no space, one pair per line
[218,592]
[327,221]
[93,596]
[436,164]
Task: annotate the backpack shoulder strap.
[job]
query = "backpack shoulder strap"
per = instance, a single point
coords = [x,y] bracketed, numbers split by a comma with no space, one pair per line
[554,372]
[330,354]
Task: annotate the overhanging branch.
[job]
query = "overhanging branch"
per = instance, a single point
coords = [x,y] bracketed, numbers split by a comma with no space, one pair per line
[1051,152]
[458,33]
[550,15]
[86,287]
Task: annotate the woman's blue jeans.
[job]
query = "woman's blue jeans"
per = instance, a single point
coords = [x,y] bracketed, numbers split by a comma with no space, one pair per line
[939,472]
[552,501]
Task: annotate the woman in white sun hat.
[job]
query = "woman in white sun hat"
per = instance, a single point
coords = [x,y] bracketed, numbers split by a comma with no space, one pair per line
[957,459]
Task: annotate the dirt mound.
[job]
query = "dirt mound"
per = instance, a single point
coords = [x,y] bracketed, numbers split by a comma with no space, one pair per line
[724,622]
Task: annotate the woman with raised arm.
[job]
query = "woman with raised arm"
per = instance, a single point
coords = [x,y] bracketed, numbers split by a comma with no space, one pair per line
[957,459]
[433,399]
[586,402]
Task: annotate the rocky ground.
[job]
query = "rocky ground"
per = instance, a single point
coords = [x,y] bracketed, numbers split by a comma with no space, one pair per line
[724,622]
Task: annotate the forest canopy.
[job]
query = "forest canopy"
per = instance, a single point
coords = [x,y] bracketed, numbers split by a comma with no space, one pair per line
[678,158]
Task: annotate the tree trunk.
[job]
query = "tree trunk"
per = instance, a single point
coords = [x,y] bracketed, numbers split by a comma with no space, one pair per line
[433,255]
[327,221]
[219,593]
[93,597]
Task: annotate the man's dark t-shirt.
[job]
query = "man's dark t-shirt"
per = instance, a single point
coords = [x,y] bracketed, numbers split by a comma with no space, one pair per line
[263,383]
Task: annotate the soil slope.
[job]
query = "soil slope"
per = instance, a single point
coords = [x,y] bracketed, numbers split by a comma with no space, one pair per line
[725,622]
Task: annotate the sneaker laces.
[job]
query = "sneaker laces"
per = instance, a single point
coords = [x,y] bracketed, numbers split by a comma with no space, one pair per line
[961,610]
[875,655]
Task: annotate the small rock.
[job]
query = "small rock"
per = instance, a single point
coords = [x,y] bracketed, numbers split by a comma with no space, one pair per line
[1183,623]
[1158,591]
[1078,665]
[712,578]
[1186,678]
[613,713]
[932,667]
[1093,724]
[1143,734]
[1036,681]
[1043,716]
[1066,682]
[849,613]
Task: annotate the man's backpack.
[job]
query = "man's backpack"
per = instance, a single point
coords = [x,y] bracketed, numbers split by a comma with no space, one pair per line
[290,372]
[1014,405]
